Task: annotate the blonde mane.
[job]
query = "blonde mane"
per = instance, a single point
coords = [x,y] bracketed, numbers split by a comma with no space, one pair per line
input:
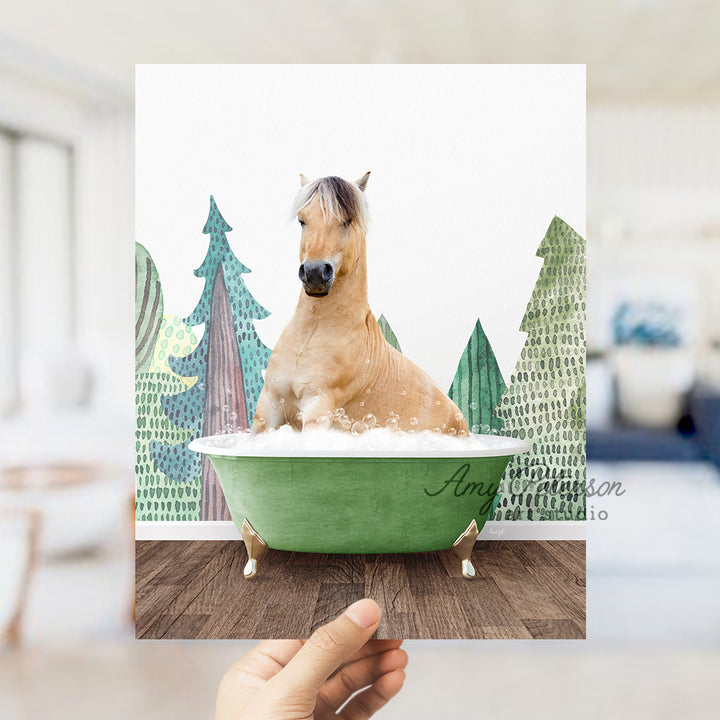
[339,199]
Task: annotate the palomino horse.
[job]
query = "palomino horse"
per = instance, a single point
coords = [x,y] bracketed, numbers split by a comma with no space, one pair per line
[332,366]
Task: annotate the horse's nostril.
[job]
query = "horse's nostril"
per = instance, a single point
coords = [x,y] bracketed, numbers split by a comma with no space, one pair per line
[327,272]
[301,272]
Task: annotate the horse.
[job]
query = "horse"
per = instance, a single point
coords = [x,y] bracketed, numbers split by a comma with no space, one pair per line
[332,367]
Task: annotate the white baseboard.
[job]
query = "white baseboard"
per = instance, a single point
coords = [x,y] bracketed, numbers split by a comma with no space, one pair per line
[493,530]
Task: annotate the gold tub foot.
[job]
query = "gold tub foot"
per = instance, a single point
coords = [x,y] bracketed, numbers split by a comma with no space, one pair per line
[463,548]
[256,549]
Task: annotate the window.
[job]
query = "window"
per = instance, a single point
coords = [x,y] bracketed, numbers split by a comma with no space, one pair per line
[37,283]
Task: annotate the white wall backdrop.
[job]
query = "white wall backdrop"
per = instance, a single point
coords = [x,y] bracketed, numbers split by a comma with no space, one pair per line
[469,166]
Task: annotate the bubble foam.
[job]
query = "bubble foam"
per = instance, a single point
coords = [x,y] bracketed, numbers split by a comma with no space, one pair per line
[371,442]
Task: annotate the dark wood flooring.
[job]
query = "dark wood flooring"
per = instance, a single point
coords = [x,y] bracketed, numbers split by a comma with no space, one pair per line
[196,589]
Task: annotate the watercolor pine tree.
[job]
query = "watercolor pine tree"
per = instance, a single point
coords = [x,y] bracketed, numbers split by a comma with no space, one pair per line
[157,496]
[477,388]
[228,362]
[478,384]
[544,403]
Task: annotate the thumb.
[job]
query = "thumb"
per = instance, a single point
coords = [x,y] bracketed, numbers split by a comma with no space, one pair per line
[327,649]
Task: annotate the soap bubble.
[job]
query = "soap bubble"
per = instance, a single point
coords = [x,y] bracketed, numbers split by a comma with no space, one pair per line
[282,401]
[437,402]
[436,430]
[358,428]
[452,431]
[339,412]
[403,392]
[299,416]
[392,423]
[475,429]
[495,431]
[484,429]
[459,416]
[368,391]
[260,421]
[473,406]
[361,403]
[345,422]
[325,420]
[413,422]
[370,421]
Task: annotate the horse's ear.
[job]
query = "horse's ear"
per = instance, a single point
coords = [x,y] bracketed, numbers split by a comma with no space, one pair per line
[303,180]
[362,182]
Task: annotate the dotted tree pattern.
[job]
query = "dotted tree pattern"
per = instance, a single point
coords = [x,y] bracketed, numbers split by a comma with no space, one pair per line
[545,401]
[157,496]
[175,338]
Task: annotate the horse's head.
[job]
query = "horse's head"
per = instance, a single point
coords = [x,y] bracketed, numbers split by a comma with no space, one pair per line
[333,217]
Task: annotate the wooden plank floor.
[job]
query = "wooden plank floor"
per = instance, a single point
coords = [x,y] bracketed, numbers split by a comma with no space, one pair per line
[196,589]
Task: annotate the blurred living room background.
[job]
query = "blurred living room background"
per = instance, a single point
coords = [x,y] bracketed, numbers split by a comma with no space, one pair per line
[66,360]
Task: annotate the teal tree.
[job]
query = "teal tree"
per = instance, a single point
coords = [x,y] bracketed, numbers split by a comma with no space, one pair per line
[228,362]
[545,401]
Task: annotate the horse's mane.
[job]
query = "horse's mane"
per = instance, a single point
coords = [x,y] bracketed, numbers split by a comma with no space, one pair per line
[338,198]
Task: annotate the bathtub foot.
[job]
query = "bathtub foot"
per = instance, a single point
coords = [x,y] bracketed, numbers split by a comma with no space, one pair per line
[256,549]
[463,548]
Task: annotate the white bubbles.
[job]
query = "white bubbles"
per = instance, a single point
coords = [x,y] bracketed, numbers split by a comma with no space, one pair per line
[361,403]
[403,392]
[459,417]
[414,422]
[452,432]
[484,429]
[378,441]
[345,422]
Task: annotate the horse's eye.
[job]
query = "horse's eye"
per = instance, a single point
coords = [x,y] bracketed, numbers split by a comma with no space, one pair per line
[301,222]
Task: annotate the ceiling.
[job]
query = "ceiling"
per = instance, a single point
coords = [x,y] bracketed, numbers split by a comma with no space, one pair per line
[636,51]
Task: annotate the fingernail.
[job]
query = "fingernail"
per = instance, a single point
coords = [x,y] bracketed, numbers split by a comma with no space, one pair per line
[364,613]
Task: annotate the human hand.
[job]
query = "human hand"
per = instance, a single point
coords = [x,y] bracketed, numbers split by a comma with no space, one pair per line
[313,679]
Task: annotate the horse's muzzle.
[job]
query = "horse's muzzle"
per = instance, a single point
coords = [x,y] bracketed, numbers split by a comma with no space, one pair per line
[317,277]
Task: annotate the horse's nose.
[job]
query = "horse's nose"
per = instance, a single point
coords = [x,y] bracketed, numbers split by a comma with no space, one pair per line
[317,277]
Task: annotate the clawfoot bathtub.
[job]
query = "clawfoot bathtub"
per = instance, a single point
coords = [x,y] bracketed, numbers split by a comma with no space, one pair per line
[362,502]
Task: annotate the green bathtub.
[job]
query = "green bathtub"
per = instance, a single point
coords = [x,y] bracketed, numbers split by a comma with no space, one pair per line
[363,503]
